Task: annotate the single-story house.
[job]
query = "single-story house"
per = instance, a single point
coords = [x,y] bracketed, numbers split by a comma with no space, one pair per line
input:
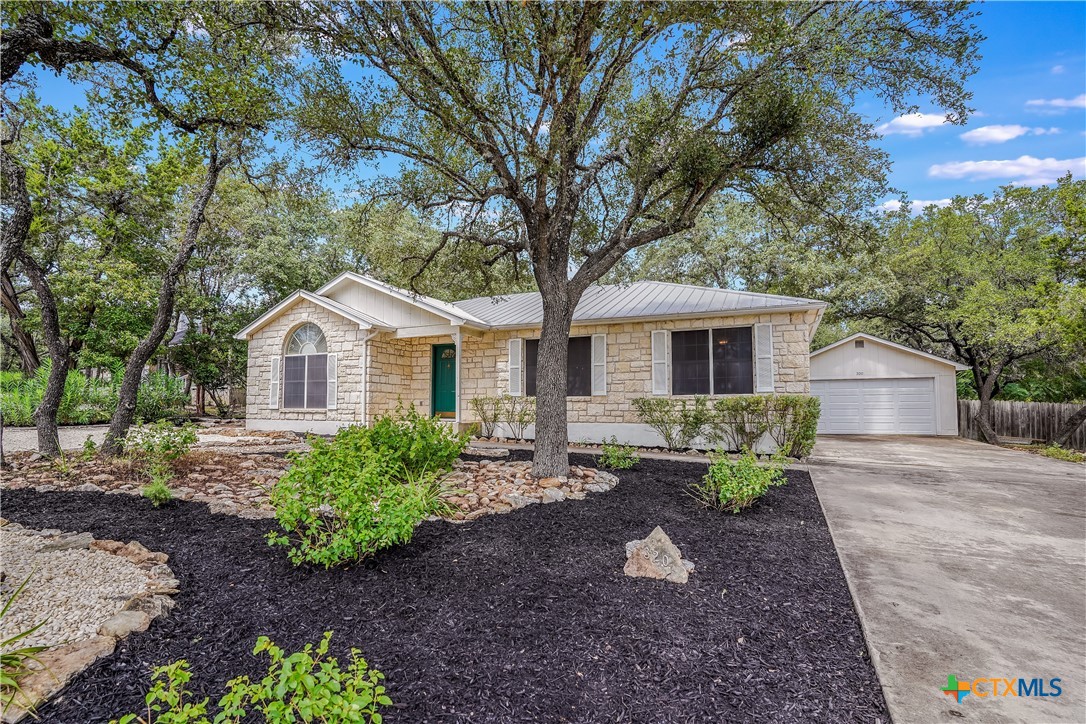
[872,386]
[356,347]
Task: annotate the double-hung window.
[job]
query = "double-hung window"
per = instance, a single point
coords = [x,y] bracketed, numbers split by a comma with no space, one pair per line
[578,371]
[305,369]
[712,361]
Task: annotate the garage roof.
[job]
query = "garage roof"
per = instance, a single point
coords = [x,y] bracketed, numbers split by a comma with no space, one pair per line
[888,343]
[638,300]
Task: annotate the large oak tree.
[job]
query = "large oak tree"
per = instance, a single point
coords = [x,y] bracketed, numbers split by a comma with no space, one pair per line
[572,133]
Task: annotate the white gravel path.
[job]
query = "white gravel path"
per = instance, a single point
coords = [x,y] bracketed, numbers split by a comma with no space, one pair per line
[74,591]
[17,439]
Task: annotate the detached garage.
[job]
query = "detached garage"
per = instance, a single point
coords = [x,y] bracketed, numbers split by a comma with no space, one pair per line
[871,386]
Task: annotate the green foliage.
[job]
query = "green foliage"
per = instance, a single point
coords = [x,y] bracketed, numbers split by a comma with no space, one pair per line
[161,441]
[734,485]
[87,400]
[306,686]
[791,422]
[517,413]
[678,422]
[415,443]
[1058,453]
[15,659]
[488,410]
[160,396]
[617,456]
[158,492]
[90,449]
[364,491]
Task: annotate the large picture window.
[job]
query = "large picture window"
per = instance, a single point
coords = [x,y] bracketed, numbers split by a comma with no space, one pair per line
[305,369]
[578,370]
[721,360]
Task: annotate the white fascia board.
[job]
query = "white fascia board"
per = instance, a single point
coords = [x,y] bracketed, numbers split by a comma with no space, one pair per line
[669,317]
[435,306]
[332,306]
[879,340]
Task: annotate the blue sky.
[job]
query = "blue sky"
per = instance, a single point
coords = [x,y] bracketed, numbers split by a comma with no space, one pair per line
[1034,56]
[1029,126]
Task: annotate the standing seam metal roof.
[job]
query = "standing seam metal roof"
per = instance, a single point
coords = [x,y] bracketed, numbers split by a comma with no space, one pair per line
[630,301]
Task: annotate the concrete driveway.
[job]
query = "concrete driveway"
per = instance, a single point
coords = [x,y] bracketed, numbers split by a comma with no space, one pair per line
[963,559]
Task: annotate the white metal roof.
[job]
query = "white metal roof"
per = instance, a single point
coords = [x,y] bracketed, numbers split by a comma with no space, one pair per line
[638,300]
[879,340]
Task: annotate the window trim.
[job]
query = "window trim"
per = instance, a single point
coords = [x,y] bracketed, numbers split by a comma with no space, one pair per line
[305,367]
[712,382]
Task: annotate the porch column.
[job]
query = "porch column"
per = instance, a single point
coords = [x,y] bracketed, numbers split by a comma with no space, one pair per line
[457,337]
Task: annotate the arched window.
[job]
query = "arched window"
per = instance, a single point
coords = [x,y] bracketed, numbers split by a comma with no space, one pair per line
[305,369]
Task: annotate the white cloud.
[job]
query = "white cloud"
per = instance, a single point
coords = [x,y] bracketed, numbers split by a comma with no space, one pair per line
[1056,105]
[1058,70]
[916,206]
[912,125]
[1022,171]
[1001,134]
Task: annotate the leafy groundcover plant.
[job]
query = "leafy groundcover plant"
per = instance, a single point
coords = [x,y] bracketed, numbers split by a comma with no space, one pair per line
[365,490]
[307,686]
[159,446]
[734,485]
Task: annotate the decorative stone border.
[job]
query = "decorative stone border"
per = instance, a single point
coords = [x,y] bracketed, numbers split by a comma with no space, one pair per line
[60,665]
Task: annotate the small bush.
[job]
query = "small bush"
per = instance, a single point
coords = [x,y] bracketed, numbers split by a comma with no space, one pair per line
[1059,453]
[420,444]
[161,396]
[90,449]
[517,413]
[161,441]
[304,686]
[157,492]
[734,485]
[678,422]
[618,457]
[364,491]
[488,410]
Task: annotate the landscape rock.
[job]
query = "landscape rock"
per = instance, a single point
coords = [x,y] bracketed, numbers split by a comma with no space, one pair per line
[553,495]
[656,557]
[89,488]
[124,623]
[69,542]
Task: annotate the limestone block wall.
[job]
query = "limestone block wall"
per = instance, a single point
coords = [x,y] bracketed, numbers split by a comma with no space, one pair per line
[344,340]
[629,361]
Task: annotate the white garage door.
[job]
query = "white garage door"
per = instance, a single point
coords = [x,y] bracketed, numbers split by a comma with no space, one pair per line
[876,407]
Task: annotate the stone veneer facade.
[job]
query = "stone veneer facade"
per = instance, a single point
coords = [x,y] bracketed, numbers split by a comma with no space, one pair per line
[399,369]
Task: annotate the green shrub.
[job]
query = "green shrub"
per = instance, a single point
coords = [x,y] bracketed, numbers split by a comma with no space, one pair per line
[418,443]
[790,421]
[517,413]
[364,491]
[488,410]
[157,492]
[678,422]
[306,686]
[1059,453]
[160,441]
[15,659]
[734,485]
[617,456]
[88,400]
[90,449]
[160,396]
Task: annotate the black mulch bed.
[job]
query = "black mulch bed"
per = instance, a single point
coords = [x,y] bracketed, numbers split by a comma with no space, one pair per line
[516,617]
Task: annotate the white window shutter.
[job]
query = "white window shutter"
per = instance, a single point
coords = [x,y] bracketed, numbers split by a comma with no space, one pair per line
[273,393]
[515,365]
[333,384]
[599,364]
[763,358]
[659,362]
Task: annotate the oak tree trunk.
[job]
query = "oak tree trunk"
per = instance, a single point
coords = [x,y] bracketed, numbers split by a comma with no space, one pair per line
[29,361]
[45,416]
[1067,429]
[125,413]
[985,390]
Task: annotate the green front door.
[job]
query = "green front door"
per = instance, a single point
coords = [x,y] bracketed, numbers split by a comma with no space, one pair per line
[443,388]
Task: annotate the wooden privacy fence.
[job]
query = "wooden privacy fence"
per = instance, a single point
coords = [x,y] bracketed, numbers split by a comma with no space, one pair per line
[1032,420]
